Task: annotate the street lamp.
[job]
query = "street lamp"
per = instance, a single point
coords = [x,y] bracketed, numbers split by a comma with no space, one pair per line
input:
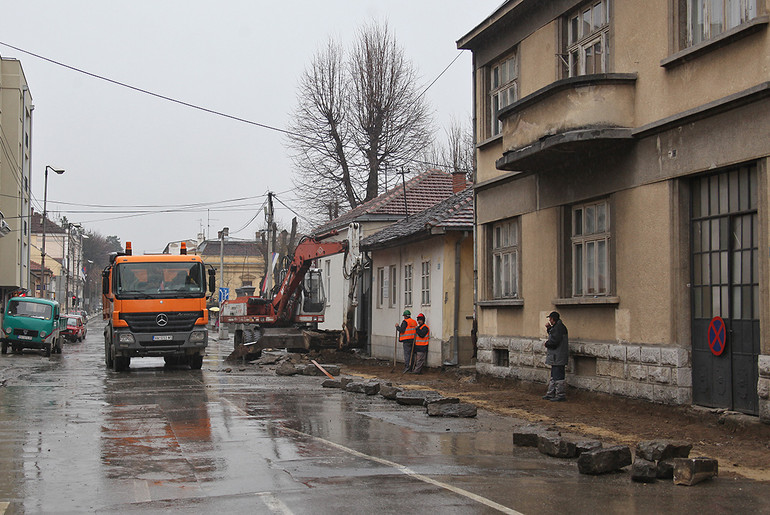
[42,252]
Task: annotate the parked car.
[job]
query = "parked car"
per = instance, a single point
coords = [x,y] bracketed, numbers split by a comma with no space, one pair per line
[32,323]
[75,329]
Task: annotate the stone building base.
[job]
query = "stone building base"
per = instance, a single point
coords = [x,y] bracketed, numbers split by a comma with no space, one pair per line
[763,388]
[657,373]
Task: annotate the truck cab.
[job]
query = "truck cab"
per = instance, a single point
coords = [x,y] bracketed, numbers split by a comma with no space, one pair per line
[155,305]
[32,323]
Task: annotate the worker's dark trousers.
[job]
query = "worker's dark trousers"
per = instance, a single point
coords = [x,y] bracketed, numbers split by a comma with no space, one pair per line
[408,344]
[420,356]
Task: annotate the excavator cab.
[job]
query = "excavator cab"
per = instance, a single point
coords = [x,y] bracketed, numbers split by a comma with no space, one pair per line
[313,295]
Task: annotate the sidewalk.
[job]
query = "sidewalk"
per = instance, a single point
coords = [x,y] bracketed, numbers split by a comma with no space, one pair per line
[740,442]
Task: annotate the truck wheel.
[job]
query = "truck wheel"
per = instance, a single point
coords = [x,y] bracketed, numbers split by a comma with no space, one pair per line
[196,362]
[121,363]
[47,349]
[4,348]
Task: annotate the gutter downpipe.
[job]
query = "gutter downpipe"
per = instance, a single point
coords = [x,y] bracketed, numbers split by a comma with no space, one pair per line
[456,322]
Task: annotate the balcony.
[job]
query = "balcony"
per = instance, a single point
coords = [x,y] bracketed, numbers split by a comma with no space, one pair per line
[586,114]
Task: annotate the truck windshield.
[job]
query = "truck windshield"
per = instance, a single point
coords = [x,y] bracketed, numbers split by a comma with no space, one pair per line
[159,280]
[21,308]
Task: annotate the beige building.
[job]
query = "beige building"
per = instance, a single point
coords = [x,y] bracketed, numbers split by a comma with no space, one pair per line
[622,152]
[244,264]
[16,139]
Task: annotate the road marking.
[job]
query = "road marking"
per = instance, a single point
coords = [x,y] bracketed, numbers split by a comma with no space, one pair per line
[273,503]
[401,468]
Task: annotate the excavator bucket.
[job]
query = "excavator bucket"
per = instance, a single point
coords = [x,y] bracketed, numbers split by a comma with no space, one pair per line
[289,338]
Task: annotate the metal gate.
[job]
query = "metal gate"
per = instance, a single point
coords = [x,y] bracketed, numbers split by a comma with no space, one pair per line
[725,283]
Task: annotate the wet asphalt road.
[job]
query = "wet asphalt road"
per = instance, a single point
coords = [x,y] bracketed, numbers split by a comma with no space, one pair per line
[78,438]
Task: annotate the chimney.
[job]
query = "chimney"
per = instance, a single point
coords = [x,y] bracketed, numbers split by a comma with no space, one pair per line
[458,181]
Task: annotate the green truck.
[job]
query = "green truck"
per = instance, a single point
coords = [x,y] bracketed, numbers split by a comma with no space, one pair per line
[32,323]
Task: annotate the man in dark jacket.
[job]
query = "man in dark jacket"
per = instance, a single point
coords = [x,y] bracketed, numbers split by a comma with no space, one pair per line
[557,355]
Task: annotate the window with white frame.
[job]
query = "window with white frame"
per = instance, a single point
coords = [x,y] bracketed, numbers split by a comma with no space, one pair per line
[327,279]
[503,89]
[504,254]
[591,249]
[393,285]
[706,19]
[381,287]
[408,284]
[425,284]
[587,44]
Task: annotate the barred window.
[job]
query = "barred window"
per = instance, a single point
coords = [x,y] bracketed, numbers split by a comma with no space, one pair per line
[425,280]
[408,285]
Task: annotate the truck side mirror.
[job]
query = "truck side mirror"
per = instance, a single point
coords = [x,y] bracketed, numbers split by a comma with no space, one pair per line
[105,282]
[212,280]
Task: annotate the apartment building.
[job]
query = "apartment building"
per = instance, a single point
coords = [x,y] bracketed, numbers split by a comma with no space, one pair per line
[15,178]
[622,151]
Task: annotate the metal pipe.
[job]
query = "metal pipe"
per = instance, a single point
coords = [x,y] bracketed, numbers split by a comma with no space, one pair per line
[456,322]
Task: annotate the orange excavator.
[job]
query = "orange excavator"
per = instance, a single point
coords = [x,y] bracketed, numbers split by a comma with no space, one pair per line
[277,319]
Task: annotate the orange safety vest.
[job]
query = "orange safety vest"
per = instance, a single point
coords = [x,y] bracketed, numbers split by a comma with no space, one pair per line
[409,333]
[422,340]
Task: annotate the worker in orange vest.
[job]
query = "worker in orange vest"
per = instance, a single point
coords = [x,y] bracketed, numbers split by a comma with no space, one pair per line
[406,331]
[421,341]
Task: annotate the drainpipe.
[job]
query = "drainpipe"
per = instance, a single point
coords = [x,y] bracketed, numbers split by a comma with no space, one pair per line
[456,324]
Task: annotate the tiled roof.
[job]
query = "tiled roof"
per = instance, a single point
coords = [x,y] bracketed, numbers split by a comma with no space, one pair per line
[422,192]
[454,213]
[50,227]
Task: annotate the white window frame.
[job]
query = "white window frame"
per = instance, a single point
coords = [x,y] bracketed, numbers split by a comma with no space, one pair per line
[328,279]
[503,89]
[709,18]
[380,287]
[591,263]
[408,273]
[393,273]
[504,259]
[585,36]
[425,283]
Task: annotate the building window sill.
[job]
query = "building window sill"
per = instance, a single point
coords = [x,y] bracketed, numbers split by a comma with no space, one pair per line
[587,301]
[500,303]
[734,34]
[494,139]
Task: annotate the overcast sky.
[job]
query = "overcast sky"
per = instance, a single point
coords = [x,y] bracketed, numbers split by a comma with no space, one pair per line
[127,151]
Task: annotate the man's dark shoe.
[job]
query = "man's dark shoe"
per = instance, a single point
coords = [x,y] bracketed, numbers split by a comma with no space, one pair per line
[558,399]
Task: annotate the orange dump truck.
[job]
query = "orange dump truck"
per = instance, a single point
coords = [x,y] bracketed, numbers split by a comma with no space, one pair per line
[155,305]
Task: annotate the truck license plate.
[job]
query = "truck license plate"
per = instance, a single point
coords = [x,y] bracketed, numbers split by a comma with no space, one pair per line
[24,337]
[162,337]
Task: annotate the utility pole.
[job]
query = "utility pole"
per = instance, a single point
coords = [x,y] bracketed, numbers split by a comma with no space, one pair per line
[222,234]
[269,264]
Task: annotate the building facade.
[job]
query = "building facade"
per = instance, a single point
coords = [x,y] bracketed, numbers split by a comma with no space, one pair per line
[425,264]
[244,265]
[15,178]
[622,152]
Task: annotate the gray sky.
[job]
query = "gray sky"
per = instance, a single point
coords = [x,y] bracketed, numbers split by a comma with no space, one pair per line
[121,148]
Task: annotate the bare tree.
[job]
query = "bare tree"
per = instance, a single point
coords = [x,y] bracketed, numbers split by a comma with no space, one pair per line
[357,113]
[455,153]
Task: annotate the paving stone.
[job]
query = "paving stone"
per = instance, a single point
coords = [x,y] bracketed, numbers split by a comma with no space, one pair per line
[656,450]
[603,461]
[286,369]
[332,383]
[665,469]
[644,471]
[367,387]
[416,397]
[526,436]
[453,409]
[556,446]
[689,471]
[389,391]
[441,400]
[582,446]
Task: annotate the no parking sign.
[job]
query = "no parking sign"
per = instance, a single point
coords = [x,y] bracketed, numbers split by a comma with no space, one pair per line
[717,336]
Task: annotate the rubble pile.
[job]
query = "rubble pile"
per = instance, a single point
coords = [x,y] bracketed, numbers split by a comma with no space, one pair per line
[653,459]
